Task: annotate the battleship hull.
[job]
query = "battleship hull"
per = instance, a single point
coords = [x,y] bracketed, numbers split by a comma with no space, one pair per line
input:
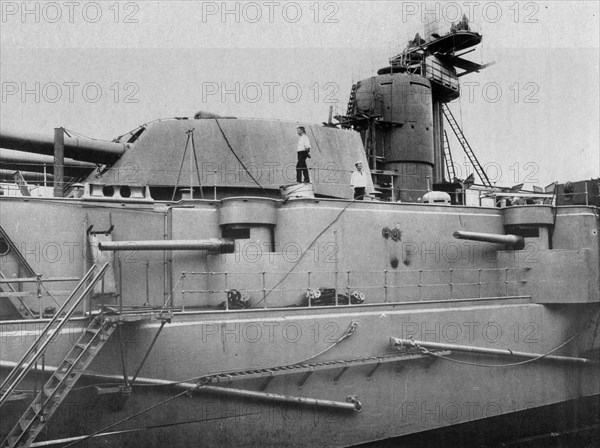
[399,398]
[191,292]
[285,372]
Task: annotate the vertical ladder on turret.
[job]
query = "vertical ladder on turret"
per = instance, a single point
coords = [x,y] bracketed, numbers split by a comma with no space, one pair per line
[61,382]
[352,100]
[25,268]
[465,145]
[448,159]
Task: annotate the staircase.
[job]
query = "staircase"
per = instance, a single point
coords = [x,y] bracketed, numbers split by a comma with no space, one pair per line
[465,145]
[75,363]
[61,382]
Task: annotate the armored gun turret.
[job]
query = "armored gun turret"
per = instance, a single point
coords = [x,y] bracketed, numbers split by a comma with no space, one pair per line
[208,155]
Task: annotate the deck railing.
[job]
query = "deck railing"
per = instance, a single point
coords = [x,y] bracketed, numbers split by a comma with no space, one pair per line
[271,289]
[40,291]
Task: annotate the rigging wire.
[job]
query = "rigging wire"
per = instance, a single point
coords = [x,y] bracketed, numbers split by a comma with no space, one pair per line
[349,332]
[303,254]
[236,156]
[125,419]
[537,358]
[141,428]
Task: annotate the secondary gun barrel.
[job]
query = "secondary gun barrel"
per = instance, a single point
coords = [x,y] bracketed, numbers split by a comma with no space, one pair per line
[513,241]
[96,151]
[213,245]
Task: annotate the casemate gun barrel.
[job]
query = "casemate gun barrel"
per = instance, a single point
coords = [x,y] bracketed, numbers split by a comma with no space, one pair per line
[511,241]
[212,245]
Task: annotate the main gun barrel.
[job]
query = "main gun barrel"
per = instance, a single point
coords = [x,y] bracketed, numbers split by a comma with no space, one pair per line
[512,241]
[96,151]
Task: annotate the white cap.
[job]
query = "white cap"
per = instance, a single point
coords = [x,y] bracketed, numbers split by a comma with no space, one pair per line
[357,162]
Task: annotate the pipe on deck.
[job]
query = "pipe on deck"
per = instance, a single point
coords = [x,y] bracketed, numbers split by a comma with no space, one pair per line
[213,244]
[398,342]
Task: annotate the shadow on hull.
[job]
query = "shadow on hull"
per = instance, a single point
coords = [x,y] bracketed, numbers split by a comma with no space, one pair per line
[571,424]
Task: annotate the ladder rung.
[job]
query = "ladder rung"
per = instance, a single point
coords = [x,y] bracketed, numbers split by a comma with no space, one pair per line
[24,424]
[61,377]
[49,391]
[30,413]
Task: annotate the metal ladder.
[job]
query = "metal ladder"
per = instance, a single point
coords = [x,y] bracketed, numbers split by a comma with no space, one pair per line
[16,300]
[352,100]
[48,400]
[309,368]
[61,382]
[448,159]
[465,145]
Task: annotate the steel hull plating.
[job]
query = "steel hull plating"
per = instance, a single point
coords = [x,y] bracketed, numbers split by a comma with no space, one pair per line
[398,398]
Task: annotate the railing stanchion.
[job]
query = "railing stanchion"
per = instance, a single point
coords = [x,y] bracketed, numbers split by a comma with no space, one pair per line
[183,290]
[348,286]
[215,187]
[38,281]
[264,288]
[226,293]
[308,289]
[385,286]
[586,194]
[120,285]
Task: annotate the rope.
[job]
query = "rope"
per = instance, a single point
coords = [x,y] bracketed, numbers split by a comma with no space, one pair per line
[303,254]
[236,156]
[123,420]
[145,428]
[315,139]
[595,333]
[164,307]
[349,332]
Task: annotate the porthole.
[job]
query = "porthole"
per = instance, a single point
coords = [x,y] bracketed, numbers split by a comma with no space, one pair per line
[125,191]
[108,191]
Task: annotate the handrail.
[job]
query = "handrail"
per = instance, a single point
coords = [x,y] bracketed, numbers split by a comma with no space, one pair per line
[366,271]
[15,378]
[387,282]
[20,299]
[36,280]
